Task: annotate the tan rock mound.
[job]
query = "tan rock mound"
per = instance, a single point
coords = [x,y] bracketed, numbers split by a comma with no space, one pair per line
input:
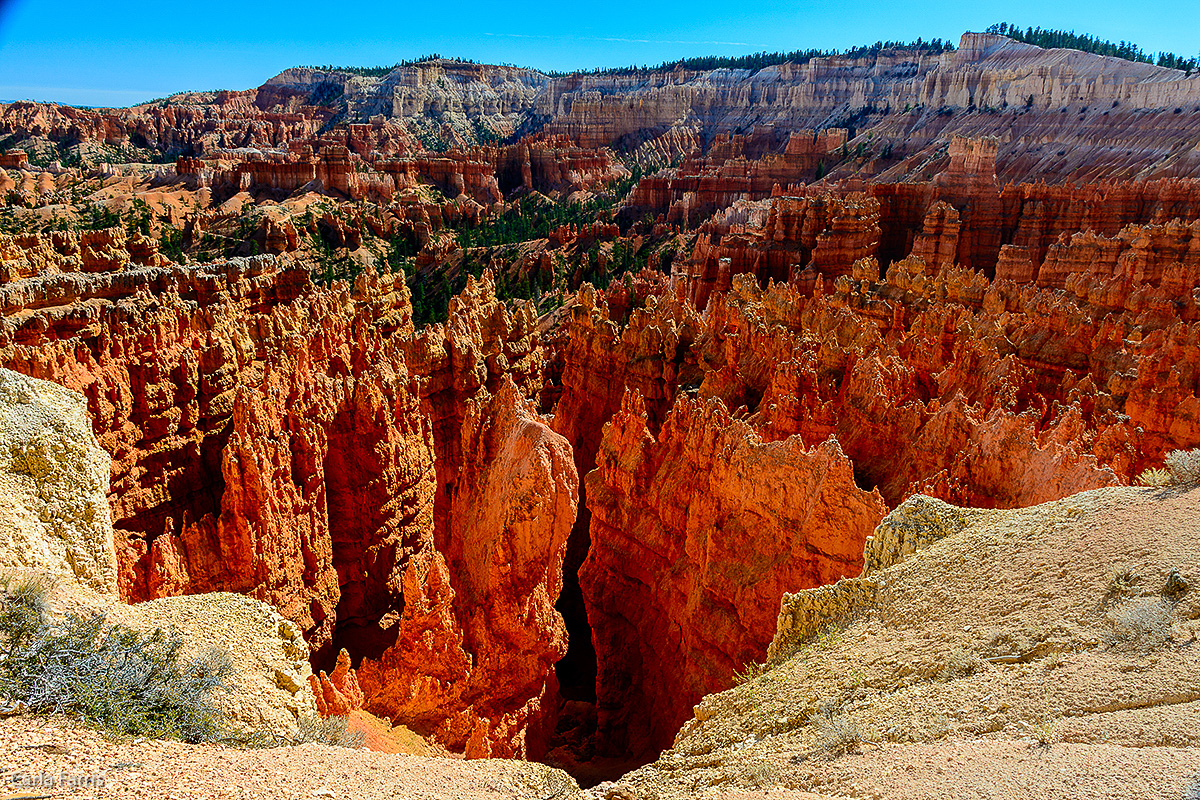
[268,683]
[268,686]
[54,515]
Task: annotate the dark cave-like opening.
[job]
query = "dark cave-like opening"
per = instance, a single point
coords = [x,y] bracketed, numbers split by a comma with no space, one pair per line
[862,479]
[359,563]
[577,670]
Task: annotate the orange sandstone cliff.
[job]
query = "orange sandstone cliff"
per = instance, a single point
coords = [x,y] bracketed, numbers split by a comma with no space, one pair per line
[295,443]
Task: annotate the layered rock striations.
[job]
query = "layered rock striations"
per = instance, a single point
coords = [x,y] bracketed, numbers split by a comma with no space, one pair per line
[1115,238]
[303,445]
[194,124]
[1060,115]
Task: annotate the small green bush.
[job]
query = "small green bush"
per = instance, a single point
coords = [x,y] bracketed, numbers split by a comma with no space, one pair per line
[107,675]
[118,679]
[1180,468]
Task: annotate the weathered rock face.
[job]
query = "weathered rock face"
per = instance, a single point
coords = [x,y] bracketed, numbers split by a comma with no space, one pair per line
[488,600]
[695,535]
[305,447]
[726,173]
[54,520]
[53,485]
[931,380]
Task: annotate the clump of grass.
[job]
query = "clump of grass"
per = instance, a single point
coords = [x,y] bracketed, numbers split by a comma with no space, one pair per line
[309,729]
[1045,730]
[749,672]
[327,730]
[1155,476]
[837,734]
[761,775]
[1122,580]
[959,663]
[109,676]
[1144,622]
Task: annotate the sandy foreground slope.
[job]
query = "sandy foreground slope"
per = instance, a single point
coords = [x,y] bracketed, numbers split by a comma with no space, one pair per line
[86,764]
[1041,652]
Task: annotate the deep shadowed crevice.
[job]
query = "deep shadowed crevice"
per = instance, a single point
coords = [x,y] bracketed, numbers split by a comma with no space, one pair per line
[364,594]
[577,669]
[575,746]
[862,480]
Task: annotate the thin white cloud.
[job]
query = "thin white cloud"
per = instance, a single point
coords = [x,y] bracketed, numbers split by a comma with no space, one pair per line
[78,95]
[620,39]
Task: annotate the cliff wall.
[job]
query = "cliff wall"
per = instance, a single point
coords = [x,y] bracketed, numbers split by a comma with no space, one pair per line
[304,446]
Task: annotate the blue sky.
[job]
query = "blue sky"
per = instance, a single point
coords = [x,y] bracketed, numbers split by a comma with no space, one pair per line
[92,52]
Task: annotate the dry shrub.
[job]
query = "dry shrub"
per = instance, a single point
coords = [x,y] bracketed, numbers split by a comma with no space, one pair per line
[109,676]
[1180,468]
[1184,466]
[1143,621]
[837,734]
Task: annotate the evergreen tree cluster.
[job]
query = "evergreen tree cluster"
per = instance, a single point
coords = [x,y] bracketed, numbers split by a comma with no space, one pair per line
[1091,44]
[757,61]
[753,62]
[380,71]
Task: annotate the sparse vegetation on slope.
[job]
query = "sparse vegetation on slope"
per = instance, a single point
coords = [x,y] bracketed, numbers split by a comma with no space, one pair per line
[1180,468]
[106,675]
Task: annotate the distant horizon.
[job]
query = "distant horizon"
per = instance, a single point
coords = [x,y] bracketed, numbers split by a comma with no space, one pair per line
[108,59]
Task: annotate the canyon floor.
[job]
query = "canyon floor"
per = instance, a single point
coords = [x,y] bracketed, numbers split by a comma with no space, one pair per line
[1037,652]
[985,768]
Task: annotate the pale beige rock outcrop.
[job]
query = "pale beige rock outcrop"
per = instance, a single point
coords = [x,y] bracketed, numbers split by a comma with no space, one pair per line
[267,686]
[54,514]
[912,526]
